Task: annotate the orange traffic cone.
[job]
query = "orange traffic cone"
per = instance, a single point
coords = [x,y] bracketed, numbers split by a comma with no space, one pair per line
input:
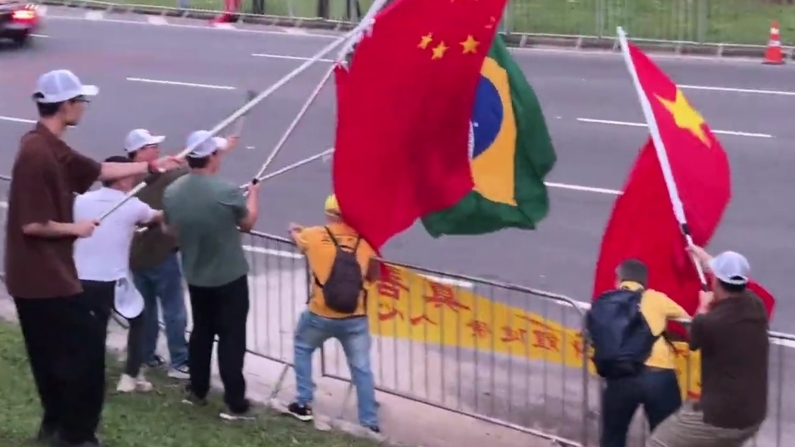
[773,54]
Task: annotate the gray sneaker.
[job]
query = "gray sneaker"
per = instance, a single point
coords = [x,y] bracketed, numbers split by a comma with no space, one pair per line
[181,372]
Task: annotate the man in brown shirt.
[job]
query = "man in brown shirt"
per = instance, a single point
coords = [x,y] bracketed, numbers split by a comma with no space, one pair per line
[64,330]
[731,331]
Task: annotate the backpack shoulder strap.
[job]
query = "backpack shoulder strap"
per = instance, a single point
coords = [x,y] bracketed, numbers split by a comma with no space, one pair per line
[331,236]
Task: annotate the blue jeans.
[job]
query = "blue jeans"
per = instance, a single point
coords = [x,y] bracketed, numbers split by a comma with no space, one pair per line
[164,282]
[354,335]
[656,389]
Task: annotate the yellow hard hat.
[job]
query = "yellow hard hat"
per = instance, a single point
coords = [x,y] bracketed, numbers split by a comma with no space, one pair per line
[332,206]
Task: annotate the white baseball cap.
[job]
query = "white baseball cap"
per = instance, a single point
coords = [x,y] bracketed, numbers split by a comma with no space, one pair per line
[140,138]
[61,85]
[730,267]
[204,144]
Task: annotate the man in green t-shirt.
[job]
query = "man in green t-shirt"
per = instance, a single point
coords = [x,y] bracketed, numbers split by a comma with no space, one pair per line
[207,214]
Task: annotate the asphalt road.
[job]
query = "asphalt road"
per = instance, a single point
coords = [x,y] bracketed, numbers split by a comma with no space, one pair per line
[173,80]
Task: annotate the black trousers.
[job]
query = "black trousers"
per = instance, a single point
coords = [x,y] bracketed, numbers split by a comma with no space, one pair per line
[65,341]
[135,345]
[656,389]
[219,311]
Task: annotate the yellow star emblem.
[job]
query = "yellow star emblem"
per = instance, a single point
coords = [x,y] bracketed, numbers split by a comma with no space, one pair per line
[685,116]
[425,41]
[470,45]
[438,50]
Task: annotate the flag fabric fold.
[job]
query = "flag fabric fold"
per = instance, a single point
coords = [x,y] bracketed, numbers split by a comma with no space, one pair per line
[643,224]
[403,116]
[510,152]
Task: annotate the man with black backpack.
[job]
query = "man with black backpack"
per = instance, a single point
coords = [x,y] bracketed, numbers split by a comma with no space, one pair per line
[632,353]
[342,263]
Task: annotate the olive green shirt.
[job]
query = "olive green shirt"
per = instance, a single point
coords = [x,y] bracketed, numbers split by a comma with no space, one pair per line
[204,212]
[152,247]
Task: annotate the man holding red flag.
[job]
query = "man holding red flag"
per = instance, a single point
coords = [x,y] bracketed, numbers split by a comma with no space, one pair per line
[681,183]
[404,109]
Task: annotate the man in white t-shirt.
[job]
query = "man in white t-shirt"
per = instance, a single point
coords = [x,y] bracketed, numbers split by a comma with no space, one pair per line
[103,263]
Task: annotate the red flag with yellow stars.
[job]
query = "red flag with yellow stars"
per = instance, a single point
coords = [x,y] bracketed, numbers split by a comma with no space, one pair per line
[643,224]
[401,149]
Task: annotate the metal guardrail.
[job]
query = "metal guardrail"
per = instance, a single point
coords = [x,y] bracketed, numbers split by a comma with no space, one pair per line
[722,27]
[501,353]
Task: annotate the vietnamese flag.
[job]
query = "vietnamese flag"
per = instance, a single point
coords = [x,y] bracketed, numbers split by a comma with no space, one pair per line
[683,170]
[401,149]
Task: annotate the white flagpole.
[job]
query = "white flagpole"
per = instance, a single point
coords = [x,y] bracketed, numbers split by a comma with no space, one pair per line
[659,147]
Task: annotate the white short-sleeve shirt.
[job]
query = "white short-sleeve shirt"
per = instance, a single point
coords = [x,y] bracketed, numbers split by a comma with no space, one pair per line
[105,255]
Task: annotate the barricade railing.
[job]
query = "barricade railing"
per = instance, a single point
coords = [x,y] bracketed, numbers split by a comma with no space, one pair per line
[716,22]
[501,353]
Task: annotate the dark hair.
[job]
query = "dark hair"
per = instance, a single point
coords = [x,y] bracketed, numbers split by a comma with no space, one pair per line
[199,163]
[732,288]
[114,159]
[46,110]
[633,270]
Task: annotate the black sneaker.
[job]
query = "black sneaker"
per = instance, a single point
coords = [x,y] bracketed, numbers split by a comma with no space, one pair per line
[241,412]
[374,429]
[192,399]
[301,412]
[156,362]
[46,435]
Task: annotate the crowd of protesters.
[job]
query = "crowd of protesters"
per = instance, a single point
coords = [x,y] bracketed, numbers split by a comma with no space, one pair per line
[74,256]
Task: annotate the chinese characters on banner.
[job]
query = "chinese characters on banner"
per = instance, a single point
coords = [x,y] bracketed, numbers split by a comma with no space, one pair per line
[405,305]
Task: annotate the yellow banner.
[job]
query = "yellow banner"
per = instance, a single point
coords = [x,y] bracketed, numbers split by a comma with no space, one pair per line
[406,305]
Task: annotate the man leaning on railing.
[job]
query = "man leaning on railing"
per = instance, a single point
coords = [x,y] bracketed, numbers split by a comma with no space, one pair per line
[731,331]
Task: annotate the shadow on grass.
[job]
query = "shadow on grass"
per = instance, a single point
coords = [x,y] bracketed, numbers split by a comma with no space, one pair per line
[154,419]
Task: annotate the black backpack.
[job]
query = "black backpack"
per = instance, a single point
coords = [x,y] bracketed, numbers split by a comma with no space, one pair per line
[621,338]
[345,282]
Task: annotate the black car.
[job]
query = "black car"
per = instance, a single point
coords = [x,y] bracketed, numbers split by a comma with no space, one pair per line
[18,20]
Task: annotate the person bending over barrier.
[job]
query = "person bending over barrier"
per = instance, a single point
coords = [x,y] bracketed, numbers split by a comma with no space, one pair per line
[103,263]
[341,263]
[633,354]
[205,212]
[731,331]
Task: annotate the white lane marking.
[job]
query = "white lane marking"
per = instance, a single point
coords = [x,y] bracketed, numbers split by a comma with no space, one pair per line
[199,27]
[737,90]
[226,26]
[17,120]
[629,124]
[157,20]
[288,57]
[296,31]
[92,15]
[40,36]
[182,84]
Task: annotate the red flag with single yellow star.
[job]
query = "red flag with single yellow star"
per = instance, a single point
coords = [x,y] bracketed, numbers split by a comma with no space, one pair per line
[403,123]
[643,224]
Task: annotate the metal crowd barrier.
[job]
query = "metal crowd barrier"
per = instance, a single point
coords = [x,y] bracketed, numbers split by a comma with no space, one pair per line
[505,354]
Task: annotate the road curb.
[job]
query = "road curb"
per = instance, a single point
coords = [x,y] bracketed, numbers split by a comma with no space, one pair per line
[518,40]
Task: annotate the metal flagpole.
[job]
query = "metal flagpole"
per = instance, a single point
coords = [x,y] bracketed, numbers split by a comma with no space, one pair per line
[346,48]
[298,164]
[251,104]
[662,155]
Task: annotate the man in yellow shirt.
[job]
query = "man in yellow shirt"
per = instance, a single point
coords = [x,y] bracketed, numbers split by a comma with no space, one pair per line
[653,383]
[341,263]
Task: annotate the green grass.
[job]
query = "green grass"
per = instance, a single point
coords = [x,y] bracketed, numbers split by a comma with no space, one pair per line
[707,21]
[143,420]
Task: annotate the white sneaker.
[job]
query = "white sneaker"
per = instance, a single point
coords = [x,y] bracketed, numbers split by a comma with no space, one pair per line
[126,384]
[143,385]
[180,372]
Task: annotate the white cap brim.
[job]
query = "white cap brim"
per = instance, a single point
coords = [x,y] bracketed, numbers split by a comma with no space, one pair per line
[220,142]
[89,90]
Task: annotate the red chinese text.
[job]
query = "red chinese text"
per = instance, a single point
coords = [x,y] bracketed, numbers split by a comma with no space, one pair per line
[546,340]
[420,318]
[391,283]
[386,313]
[442,295]
[479,328]
[510,335]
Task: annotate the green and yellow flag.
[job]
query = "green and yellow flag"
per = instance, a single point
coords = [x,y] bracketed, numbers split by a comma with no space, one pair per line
[510,152]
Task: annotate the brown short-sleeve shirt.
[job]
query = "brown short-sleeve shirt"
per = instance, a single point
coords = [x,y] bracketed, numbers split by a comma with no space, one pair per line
[46,175]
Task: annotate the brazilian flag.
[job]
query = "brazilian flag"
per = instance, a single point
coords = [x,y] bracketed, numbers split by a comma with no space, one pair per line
[510,153]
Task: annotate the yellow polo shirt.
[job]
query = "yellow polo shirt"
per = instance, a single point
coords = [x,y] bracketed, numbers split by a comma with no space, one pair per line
[658,309]
[320,251]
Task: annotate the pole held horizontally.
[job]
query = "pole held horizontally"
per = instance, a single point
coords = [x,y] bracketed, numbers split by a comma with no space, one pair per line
[250,105]
[662,155]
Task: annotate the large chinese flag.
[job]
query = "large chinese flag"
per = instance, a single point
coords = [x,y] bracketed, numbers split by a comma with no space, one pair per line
[403,122]
[643,224]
